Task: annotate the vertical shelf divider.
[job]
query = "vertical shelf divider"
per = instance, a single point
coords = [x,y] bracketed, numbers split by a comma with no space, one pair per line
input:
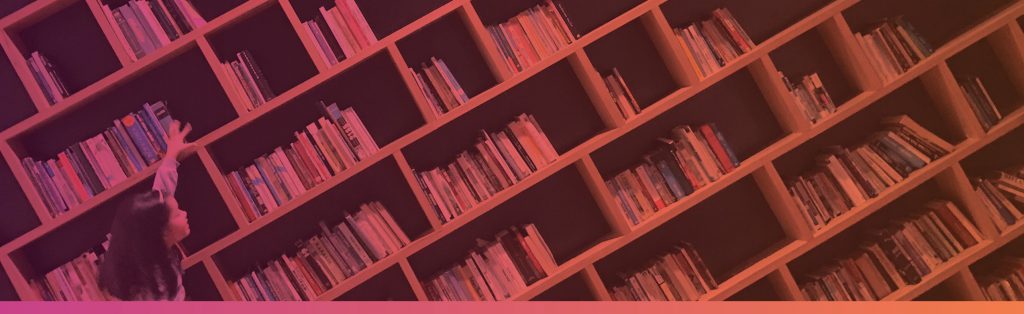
[785,284]
[35,92]
[593,84]
[18,280]
[954,182]
[488,48]
[223,287]
[665,40]
[782,103]
[234,205]
[594,282]
[944,90]
[414,283]
[108,32]
[421,198]
[1008,44]
[25,182]
[843,45]
[307,42]
[966,286]
[592,177]
[410,83]
[784,207]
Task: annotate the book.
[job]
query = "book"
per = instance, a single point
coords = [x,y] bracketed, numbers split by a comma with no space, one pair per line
[340,31]
[247,80]
[76,280]
[439,86]
[980,101]
[621,94]
[530,36]
[679,274]
[46,76]
[712,43]
[813,99]
[893,47]
[143,26]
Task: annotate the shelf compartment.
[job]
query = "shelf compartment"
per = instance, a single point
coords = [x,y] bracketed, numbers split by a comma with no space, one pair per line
[948,290]
[742,114]
[631,49]
[809,53]
[575,288]
[912,100]
[723,252]
[585,16]
[195,97]
[12,6]
[7,292]
[386,17]
[938,21]
[550,97]
[274,45]
[381,182]
[208,214]
[760,19]
[389,285]
[211,10]
[994,70]
[561,200]
[1001,154]
[72,40]
[18,104]
[450,40]
[19,217]
[374,88]
[198,284]
[762,290]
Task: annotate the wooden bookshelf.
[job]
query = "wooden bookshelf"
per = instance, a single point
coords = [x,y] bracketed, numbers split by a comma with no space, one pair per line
[568,201]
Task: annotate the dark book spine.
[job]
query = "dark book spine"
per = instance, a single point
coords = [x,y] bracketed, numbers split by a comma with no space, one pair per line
[261,81]
[332,42]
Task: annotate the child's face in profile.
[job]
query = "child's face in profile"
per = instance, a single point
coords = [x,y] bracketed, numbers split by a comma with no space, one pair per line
[177,224]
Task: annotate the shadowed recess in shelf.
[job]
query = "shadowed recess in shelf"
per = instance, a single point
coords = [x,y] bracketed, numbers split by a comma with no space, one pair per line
[849,240]
[938,21]
[735,105]
[631,50]
[17,104]
[944,291]
[561,200]
[10,6]
[553,97]
[1004,153]
[74,42]
[274,45]
[373,88]
[981,60]
[18,214]
[389,285]
[185,83]
[585,16]
[448,39]
[762,290]
[7,292]
[382,182]
[715,239]
[911,100]
[209,217]
[386,17]
[760,19]
[213,9]
[993,266]
[198,285]
[808,54]
[574,288]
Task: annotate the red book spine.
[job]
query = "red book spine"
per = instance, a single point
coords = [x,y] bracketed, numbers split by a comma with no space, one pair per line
[716,146]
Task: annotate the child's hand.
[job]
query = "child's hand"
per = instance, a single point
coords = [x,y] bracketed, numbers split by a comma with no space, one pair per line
[176,144]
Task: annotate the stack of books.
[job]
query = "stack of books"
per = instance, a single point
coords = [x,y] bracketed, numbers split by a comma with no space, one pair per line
[1001,193]
[247,80]
[894,47]
[1006,281]
[528,37]
[340,31]
[46,76]
[89,167]
[711,44]
[896,256]
[326,259]
[848,177]
[679,275]
[143,26]
[981,103]
[439,86]
[621,94]
[500,159]
[496,270]
[692,159]
[75,281]
[815,102]
[325,148]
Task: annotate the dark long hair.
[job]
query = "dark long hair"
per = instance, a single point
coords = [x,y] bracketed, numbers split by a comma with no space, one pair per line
[138,262]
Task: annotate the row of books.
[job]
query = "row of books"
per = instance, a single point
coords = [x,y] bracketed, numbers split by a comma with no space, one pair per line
[690,160]
[326,259]
[894,47]
[1005,282]
[1001,194]
[340,31]
[621,95]
[528,37]
[896,256]
[89,167]
[980,101]
[143,26]
[679,275]
[848,177]
[247,80]
[811,96]
[496,270]
[439,86]
[326,147]
[46,76]
[497,161]
[711,44]
[76,280]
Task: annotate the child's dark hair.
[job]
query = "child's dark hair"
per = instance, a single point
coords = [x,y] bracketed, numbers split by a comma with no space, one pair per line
[138,263]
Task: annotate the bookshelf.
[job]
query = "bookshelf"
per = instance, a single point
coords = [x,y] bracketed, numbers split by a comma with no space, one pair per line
[567,200]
